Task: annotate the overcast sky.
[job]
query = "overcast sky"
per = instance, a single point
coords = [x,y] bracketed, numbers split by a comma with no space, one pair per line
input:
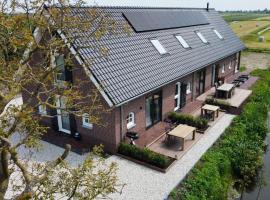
[218,4]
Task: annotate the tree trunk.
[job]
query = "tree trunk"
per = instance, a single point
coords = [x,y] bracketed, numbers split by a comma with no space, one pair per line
[4,172]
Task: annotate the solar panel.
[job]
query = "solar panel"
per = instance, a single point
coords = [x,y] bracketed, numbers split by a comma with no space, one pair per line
[149,20]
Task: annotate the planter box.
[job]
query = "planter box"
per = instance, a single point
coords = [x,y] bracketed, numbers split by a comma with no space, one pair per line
[147,164]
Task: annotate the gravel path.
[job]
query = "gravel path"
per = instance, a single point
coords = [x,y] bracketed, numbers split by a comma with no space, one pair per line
[252,60]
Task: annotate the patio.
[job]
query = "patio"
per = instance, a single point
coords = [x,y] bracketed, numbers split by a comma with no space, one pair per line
[173,149]
[239,97]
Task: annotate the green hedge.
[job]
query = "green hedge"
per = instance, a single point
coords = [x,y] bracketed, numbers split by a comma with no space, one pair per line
[190,120]
[237,156]
[145,155]
[224,105]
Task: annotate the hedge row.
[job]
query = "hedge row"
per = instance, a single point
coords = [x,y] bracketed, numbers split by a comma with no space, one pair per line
[144,155]
[224,105]
[237,156]
[190,120]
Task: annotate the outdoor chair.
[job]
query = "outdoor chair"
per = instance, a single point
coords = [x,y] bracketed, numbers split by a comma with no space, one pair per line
[236,83]
[245,76]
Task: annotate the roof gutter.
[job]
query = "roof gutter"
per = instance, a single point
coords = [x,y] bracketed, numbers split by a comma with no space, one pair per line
[124,102]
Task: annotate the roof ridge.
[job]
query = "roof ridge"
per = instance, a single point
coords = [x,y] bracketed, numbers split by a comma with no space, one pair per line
[139,7]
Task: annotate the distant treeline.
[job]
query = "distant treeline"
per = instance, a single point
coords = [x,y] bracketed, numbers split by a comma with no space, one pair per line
[264,11]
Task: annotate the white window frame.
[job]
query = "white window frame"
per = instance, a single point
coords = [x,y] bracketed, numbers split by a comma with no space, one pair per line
[223,69]
[177,96]
[182,41]
[86,121]
[159,47]
[131,120]
[218,34]
[202,38]
[188,87]
[54,65]
[230,65]
[59,114]
[42,110]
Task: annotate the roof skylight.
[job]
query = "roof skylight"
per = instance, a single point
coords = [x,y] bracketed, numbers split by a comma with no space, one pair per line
[158,46]
[218,34]
[182,41]
[200,35]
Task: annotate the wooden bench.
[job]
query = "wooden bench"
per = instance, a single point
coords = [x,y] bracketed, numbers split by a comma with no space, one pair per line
[182,131]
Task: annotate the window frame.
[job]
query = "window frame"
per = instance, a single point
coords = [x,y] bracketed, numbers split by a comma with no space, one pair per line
[218,34]
[223,69]
[182,41]
[56,55]
[201,37]
[158,46]
[189,87]
[42,109]
[152,98]
[130,120]
[86,124]
[177,96]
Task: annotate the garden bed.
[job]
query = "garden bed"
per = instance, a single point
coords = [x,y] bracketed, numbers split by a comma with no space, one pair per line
[145,157]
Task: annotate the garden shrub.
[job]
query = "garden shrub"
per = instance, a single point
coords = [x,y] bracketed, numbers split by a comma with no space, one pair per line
[224,105]
[238,154]
[198,122]
[145,155]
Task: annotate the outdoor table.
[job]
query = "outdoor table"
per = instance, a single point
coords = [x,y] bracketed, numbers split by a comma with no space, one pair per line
[182,131]
[225,88]
[210,108]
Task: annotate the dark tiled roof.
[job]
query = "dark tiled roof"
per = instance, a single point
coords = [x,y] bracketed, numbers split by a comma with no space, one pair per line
[134,67]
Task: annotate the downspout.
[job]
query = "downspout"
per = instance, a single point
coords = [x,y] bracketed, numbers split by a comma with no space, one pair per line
[239,60]
[193,87]
[121,123]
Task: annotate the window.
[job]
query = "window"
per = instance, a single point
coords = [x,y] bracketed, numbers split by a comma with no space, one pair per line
[223,68]
[230,64]
[182,41]
[158,46]
[130,120]
[177,96]
[188,87]
[42,109]
[218,34]
[60,68]
[86,121]
[200,35]
[153,109]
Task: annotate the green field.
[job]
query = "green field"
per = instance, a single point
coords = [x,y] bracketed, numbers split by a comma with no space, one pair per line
[230,17]
[247,27]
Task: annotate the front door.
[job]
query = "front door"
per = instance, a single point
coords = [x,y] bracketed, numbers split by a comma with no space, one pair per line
[153,109]
[63,117]
[202,74]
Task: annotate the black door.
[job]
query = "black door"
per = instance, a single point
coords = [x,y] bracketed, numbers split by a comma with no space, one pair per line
[183,95]
[202,74]
[216,73]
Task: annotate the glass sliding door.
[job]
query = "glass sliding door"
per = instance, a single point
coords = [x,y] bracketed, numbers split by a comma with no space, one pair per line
[153,109]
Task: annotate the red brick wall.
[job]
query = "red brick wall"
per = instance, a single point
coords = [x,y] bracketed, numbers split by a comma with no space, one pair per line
[110,133]
[168,92]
